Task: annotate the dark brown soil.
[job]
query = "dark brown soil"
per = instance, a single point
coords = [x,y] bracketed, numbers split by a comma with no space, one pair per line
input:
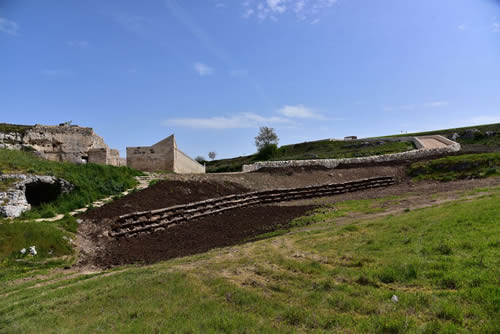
[164,194]
[199,236]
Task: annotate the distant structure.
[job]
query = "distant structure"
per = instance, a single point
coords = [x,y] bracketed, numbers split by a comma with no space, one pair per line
[350,138]
[63,142]
[162,156]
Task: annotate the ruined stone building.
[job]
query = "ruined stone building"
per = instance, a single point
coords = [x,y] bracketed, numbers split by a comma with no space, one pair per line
[63,142]
[162,156]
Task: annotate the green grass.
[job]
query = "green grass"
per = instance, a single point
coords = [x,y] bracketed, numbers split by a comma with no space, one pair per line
[479,139]
[322,149]
[51,240]
[92,181]
[6,128]
[457,167]
[443,264]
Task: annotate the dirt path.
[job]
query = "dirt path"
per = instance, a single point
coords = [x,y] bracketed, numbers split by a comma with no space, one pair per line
[431,143]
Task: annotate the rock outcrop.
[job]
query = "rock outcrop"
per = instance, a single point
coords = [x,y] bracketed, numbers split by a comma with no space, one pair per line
[64,142]
[28,190]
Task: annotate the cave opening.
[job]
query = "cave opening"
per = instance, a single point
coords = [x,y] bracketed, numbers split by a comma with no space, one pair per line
[41,192]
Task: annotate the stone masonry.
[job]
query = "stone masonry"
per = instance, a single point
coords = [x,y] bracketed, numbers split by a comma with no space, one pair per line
[62,143]
[162,156]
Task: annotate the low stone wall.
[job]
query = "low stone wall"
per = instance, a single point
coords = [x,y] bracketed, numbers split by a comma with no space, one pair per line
[157,220]
[420,152]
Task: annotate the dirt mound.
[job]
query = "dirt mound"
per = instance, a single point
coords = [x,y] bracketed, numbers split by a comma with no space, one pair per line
[164,194]
[200,235]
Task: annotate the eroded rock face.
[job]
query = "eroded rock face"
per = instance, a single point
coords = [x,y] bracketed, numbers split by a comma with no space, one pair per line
[30,188]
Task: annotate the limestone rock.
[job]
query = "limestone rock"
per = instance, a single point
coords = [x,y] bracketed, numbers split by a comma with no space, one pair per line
[14,202]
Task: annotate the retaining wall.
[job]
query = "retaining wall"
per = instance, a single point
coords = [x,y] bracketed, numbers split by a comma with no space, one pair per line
[420,152]
[157,220]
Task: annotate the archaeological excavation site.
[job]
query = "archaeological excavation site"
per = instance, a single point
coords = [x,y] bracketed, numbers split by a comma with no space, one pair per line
[158,205]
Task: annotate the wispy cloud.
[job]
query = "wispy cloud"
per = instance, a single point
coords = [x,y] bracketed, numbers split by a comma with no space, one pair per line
[203,69]
[299,111]
[462,27]
[220,5]
[436,104]
[132,23]
[272,9]
[55,72]
[407,107]
[238,121]
[9,27]
[495,27]
[78,44]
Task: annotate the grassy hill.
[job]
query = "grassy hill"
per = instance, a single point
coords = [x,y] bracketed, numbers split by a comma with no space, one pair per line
[441,262]
[470,140]
[6,128]
[321,149]
[92,181]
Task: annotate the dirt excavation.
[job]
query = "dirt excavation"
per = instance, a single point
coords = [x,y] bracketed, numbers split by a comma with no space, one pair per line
[97,249]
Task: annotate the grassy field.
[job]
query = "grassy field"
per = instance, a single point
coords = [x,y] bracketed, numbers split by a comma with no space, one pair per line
[335,275]
[51,240]
[479,138]
[322,149]
[457,167]
[92,181]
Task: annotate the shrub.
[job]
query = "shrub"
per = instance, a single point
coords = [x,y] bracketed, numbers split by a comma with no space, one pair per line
[267,152]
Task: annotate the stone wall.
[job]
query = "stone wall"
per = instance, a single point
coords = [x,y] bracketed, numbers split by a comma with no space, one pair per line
[420,152]
[106,156]
[162,156]
[62,143]
[184,164]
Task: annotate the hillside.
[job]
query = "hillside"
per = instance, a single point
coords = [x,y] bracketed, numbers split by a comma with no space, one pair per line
[474,139]
[92,181]
[480,138]
[339,274]
[321,149]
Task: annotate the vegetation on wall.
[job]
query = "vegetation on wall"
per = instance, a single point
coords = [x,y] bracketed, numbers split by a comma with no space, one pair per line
[91,181]
[457,167]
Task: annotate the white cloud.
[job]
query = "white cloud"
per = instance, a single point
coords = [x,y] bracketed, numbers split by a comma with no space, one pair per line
[9,27]
[55,72]
[248,12]
[238,121]
[496,27]
[315,21]
[299,111]
[272,9]
[406,107]
[436,104]
[461,27]
[202,69]
[78,44]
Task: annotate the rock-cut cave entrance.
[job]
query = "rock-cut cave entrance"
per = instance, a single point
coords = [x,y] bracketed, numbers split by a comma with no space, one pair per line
[41,192]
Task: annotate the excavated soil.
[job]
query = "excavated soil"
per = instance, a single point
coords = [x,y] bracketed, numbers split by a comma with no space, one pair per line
[199,236]
[164,194]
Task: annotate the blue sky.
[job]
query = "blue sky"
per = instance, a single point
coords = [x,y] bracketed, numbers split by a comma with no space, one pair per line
[213,71]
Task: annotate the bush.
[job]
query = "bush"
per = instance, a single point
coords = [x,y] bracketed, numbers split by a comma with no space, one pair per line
[267,152]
